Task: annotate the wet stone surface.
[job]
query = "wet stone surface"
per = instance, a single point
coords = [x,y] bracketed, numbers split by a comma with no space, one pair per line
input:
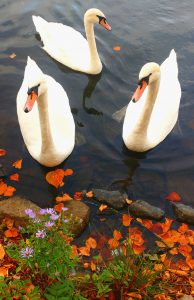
[183,213]
[142,209]
[114,199]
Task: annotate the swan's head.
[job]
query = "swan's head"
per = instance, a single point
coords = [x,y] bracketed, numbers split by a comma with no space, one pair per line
[94,15]
[148,74]
[35,82]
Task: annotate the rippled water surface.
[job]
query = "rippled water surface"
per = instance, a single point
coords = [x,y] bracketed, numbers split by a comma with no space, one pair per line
[146,31]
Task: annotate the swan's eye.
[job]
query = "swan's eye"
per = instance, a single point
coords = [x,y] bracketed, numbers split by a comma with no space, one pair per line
[146,79]
[101,19]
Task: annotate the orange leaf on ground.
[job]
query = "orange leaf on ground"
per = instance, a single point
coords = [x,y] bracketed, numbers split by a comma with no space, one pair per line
[93,266]
[129,201]
[14,177]
[91,243]
[102,207]
[84,251]
[64,198]
[126,219]
[117,48]
[2,252]
[89,194]
[3,152]
[77,196]
[17,164]
[175,197]
[190,262]
[8,222]
[9,191]
[183,228]
[117,235]
[184,250]
[11,232]
[134,295]
[113,243]
[55,177]
[3,271]
[59,207]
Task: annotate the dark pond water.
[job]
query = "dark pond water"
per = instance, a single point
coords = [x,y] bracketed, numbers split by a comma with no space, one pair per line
[146,31]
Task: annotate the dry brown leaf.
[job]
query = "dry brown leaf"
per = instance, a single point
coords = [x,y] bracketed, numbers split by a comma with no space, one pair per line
[13,55]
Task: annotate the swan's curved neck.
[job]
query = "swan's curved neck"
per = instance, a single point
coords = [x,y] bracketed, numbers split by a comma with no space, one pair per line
[144,119]
[89,29]
[46,135]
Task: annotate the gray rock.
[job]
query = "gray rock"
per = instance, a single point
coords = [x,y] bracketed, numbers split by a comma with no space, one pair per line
[78,213]
[115,199]
[183,213]
[142,209]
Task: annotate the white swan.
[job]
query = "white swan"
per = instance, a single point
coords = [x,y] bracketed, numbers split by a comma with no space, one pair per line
[148,121]
[68,46]
[45,117]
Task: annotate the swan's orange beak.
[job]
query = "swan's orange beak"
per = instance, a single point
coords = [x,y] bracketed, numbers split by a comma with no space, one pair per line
[104,24]
[139,91]
[30,101]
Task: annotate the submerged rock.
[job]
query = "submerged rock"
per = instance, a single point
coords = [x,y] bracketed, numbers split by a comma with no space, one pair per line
[77,214]
[115,199]
[142,209]
[183,213]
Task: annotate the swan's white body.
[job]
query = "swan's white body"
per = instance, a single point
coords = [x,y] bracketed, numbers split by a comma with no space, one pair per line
[68,46]
[48,129]
[148,121]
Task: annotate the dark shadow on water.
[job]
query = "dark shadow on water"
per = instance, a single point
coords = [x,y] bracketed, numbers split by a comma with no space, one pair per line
[89,89]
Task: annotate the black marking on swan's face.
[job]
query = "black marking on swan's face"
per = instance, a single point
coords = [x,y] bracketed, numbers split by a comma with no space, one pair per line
[146,79]
[33,89]
[101,19]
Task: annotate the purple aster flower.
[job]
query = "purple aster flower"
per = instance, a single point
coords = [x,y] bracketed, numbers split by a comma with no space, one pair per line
[30,213]
[50,211]
[65,220]
[65,208]
[41,234]
[26,252]
[43,211]
[54,217]
[49,224]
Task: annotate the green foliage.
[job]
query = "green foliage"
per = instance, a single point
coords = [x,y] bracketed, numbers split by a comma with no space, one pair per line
[62,290]
[17,288]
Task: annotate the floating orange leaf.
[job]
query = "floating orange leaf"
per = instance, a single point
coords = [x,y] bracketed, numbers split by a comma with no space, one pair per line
[117,48]
[102,207]
[117,235]
[91,243]
[3,272]
[113,243]
[84,251]
[14,177]
[9,191]
[2,252]
[3,187]
[13,55]
[64,198]
[17,164]
[68,172]
[55,177]
[90,194]
[13,232]
[173,251]
[126,219]
[175,197]
[59,207]
[160,244]
[3,152]
[77,196]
